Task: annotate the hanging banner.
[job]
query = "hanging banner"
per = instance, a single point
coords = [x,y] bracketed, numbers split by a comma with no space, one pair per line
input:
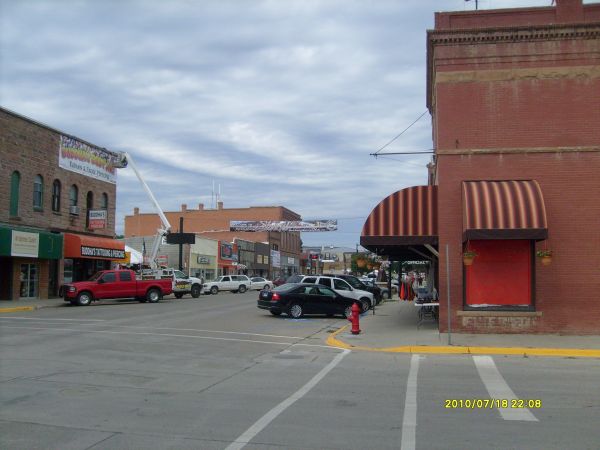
[283,225]
[84,159]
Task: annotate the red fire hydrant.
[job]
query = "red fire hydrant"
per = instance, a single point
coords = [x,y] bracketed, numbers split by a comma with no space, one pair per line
[354,318]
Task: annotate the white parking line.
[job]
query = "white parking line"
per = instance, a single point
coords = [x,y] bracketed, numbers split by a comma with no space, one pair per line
[409,422]
[498,389]
[265,420]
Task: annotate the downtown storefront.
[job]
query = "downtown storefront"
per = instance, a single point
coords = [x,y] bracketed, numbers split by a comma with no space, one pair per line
[29,263]
[85,255]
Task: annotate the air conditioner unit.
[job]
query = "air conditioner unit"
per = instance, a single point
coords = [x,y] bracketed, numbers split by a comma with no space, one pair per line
[74,210]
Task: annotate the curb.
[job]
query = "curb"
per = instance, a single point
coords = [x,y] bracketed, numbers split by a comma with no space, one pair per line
[17,309]
[332,341]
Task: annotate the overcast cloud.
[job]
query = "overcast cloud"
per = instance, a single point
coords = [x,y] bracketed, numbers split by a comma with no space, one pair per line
[279,102]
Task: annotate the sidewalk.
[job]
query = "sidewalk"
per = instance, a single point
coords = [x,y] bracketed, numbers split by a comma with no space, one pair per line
[394,329]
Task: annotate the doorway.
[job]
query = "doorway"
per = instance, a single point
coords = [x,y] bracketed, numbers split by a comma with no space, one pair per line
[29,281]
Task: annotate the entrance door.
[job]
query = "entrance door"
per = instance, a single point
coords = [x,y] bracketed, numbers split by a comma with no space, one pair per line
[29,281]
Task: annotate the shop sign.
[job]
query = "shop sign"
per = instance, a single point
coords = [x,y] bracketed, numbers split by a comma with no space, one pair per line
[290,261]
[25,244]
[227,252]
[283,225]
[162,260]
[98,252]
[84,159]
[97,218]
[275,258]
[203,259]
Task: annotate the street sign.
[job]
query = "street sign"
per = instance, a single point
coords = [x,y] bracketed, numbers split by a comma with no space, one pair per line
[181,238]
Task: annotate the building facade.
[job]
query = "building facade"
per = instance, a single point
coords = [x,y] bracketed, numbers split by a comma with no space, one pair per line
[57,218]
[513,96]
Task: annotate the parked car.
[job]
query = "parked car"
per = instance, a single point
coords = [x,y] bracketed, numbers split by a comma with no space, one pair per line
[279,281]
[182,283]
[342,287]
[364,285]
[261,283]
[296,300]
[233,283]
[108,284]
[294,278]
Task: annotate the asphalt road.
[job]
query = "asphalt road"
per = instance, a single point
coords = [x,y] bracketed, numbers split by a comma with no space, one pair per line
[216,373]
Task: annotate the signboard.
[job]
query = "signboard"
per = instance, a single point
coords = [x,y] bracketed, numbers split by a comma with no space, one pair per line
[84,159]
[24,244]
[162,260]
[97,218]
[181,238]
[275,258]
[283,225]
[203,259]
[291,261]
[227,252]
[99,252]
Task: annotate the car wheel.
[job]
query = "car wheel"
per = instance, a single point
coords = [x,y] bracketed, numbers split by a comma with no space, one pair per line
[84,299]
[365,304]
[196,290]
[276,313]
[153,295]
[348,312]
[242,289]
[214,290]
[178,294]
[295,311]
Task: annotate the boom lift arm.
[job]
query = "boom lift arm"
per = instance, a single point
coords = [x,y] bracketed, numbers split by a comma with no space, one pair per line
[125,159]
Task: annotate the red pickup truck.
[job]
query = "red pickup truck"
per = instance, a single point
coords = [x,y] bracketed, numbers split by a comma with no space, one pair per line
[116,284]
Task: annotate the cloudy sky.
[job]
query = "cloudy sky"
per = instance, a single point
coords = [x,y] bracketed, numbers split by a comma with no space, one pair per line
[278,102]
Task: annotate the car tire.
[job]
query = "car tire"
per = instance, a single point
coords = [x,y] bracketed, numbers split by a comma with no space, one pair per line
[153,295]
[295,311]
[214,290]
[365,304]
[348,312]
[276,313]
[178,294]
[196,290]
[242,289]
[84,298]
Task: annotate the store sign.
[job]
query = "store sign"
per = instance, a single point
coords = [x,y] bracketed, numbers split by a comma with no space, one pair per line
[25,244]
[275,258]
[97,218]
[227,252]
[162,260]
[203,259]
[84,159]
[291,261]
[283,225]
[98,252]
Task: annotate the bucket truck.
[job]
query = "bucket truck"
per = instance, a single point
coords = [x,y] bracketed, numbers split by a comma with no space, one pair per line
[182,284]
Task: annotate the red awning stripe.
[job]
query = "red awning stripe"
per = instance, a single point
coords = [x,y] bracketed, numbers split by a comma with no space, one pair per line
[504,208]
[404,214]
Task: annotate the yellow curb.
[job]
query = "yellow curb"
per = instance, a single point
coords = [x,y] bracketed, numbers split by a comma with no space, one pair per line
[16,309]
[520,351]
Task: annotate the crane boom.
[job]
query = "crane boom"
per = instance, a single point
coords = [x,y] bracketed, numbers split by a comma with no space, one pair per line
[124,160]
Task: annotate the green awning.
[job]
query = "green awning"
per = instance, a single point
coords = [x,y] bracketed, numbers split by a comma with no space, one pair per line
[30,243]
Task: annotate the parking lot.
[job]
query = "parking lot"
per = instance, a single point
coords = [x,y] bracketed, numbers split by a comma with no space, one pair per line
[216,372]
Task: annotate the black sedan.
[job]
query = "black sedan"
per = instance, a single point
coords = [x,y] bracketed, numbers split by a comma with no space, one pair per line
[304,298]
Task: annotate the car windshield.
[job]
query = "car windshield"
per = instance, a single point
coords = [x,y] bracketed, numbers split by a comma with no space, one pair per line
[180,274]
[354,282]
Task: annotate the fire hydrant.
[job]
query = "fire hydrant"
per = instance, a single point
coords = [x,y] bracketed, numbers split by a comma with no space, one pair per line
[354,318]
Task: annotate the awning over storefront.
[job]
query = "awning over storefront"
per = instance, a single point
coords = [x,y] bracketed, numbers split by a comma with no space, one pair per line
[92,247]
[402,222]
[30,243]
[512,209]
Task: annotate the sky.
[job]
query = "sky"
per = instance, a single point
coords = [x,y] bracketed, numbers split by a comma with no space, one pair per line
[274,102]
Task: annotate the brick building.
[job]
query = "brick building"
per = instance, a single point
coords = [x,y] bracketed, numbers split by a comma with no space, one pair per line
[214,224]
[514,98]
[47,234]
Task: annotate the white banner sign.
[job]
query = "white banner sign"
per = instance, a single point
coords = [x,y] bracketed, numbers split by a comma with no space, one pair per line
[275,258]
[24,244]
[86,160]
[283,225]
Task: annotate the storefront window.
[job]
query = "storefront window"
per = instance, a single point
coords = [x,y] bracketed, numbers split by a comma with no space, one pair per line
[68,271]
[29,281]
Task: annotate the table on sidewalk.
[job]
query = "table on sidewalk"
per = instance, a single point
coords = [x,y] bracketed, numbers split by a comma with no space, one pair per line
[429,310]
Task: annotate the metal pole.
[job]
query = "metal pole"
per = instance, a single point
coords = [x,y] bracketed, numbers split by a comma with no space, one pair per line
[448,295]
[180,245]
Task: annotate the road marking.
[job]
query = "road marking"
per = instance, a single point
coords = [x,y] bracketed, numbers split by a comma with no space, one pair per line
[48,319]
[498,389]
[409,422]
[265,420]
[87,330]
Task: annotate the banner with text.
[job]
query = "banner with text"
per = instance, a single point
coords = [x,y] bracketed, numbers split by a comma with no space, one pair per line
[84,159]
[283,225]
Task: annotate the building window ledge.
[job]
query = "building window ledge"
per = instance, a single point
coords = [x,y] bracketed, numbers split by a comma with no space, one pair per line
[499,313]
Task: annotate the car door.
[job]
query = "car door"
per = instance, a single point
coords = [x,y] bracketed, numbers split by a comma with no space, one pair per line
[127,285]
[226,284]
[328,301]
[343,288]
[107,286]
[312,303]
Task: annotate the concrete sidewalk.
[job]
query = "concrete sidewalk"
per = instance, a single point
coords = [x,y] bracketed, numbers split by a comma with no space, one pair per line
[395,328]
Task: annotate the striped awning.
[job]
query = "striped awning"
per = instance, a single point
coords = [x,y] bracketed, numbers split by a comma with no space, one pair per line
[407,217]
[512,209]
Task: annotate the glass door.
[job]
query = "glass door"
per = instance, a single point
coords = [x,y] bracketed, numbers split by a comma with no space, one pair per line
[29,281]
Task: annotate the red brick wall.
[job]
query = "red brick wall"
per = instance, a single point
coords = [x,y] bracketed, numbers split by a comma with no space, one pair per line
[33,149]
